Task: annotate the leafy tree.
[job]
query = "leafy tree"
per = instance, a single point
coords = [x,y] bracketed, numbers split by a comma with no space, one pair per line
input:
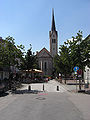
[10,54]
[30,60]
[62,61]
[79,51]
[75,52]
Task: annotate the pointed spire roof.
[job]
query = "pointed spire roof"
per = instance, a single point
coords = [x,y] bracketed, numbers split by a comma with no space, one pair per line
[53,28]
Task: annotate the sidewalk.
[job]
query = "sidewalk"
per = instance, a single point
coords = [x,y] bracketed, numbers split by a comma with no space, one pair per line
[50,86]
[73,87]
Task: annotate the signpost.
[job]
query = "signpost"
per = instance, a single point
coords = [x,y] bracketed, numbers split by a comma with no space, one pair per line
[78,73]
[75,70]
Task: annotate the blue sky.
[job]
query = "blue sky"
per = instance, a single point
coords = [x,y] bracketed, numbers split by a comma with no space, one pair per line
[29,21]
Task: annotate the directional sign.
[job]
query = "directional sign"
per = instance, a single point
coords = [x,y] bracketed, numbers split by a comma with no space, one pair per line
[76,69]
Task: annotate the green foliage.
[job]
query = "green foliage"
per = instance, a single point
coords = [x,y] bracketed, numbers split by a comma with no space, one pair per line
[75,52]
[30,61]
[62,61]
[10,54]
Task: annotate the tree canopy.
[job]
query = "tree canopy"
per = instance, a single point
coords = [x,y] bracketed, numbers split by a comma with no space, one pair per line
[74,52]
[10,54]
[30,60]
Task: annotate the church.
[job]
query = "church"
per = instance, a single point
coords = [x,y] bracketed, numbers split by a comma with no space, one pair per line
[45,57]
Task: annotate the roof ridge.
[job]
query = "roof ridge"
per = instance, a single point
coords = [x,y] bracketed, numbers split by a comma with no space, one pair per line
[45,50]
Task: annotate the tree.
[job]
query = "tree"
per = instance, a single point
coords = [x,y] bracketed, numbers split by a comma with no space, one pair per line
[74,52]
[62,61]
[79,51]
[10,55]
[30,61]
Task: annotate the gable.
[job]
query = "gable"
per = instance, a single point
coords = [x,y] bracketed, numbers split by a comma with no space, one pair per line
[44,53]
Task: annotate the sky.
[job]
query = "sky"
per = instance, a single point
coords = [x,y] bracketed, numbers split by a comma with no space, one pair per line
[29,21]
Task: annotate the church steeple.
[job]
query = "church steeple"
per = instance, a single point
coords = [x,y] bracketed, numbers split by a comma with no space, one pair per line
[53,35]
[53,28]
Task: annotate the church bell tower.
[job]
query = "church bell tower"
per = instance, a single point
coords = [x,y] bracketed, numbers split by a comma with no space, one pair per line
[53,36]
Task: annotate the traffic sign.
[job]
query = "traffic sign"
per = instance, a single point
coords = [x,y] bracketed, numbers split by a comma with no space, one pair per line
[79,72]
[76,69]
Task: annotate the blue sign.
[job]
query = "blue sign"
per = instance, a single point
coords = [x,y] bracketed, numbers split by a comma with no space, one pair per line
[76,69]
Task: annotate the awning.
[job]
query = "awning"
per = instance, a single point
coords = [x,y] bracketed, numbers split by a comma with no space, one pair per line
[33,71]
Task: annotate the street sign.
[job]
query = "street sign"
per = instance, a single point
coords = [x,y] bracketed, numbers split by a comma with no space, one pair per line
[79,72]
[76,69]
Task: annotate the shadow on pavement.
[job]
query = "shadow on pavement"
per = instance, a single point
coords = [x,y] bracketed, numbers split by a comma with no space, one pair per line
[88,92]
[3,94]
[74,84]
[26,91]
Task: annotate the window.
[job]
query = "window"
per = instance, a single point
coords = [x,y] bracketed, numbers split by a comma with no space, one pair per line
[53,40]
[45,65]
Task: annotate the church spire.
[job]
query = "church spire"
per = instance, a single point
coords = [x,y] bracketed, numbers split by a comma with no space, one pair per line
[53,28]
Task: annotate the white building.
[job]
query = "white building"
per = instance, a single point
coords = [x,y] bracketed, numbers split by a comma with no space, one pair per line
[87,69]
[87,75]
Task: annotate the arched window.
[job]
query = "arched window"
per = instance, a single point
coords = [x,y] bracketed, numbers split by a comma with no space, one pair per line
[45,66]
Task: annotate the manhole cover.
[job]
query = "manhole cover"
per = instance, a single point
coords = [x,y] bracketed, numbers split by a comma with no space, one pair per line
[41,98]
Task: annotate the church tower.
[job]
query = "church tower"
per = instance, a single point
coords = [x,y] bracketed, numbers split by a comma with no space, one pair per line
[53,36]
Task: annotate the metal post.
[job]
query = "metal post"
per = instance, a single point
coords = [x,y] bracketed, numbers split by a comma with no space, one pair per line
[43,87]
[79,84]
[76,83]
[57,88]
[29,87]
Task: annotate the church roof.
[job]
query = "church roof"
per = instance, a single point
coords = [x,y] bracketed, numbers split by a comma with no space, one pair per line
[53,28]
[44,49]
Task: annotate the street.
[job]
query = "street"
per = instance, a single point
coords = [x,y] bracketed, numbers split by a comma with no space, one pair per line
[47,105]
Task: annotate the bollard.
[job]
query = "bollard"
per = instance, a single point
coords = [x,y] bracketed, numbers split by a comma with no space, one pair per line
[29,87]
[57,88]
[43,87]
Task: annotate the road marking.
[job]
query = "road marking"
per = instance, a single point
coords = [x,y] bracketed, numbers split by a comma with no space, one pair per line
[42,93]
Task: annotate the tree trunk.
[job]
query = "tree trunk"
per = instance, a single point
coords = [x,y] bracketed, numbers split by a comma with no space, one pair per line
[65,78]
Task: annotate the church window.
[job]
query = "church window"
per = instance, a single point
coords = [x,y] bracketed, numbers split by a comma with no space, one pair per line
[53,40]
[45,65]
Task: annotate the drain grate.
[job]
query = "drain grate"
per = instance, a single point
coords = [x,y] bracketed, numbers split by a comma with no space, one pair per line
[41,98]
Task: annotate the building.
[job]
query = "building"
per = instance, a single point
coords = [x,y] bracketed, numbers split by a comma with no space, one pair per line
[53,36]
[87,69]
[45,61]
[45,57]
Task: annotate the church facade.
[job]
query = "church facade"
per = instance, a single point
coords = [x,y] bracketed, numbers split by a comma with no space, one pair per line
[45,57]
